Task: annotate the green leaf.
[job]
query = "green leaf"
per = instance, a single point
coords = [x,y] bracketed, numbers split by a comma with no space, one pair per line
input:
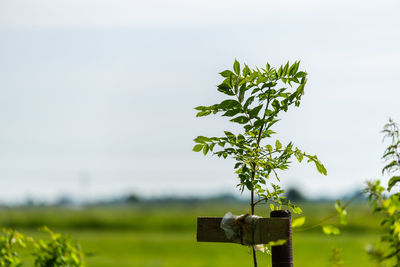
[205,149]
[258,123]
[255,90]
[278,145]
[232,112]
[236,67]
[227,92]
[300,90]
[203,113]
[299,155]
[320,167]
[279,71]
[226,73]
[300,74]
[338,205]
[279,242]
[240,119]
[240,138]
[285,69]
[330,230]
[201,108]
[393,181]
[341,211]
[343,217]
[248,102]
[298,222]
[246,70]
[249,185]
[297,210]
[276,104]
[254,112]
[237,165]
[242,91]
[228,104]
[292,69]
[198,147]
[243,81]
[201,139]
[230,135]
[212,146]
[389,166]
[224,85]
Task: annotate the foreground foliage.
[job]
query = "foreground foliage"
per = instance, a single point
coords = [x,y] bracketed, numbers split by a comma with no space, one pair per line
[386,200]
[56,251]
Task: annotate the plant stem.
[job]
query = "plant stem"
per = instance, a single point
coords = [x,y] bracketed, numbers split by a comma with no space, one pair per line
[252,204]
[252,213]
[254,257]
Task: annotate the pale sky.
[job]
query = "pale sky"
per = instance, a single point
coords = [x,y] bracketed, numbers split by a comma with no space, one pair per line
[97,96]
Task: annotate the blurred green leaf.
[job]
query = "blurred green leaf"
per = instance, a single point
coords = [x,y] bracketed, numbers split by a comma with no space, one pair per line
[298,222]
[279,242]
[393,181]
[330,230]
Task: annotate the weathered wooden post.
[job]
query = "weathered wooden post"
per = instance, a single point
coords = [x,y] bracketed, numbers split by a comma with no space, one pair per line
[282,256]
[264,231]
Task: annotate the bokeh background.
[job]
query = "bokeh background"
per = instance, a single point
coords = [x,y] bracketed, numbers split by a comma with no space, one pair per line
[96,111]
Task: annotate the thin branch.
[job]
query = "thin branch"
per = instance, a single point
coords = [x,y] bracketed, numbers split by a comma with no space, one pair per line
[332,215]
[257,147]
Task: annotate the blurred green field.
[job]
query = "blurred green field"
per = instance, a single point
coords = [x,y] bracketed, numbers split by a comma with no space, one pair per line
[165,235]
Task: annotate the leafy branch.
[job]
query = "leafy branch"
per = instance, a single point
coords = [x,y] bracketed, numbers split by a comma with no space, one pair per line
[255,100]
[386,201]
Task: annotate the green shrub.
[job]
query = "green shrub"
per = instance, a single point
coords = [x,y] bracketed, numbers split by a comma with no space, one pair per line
[9,242]
[58,251]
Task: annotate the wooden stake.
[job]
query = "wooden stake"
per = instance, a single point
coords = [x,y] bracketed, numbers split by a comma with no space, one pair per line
[282,256]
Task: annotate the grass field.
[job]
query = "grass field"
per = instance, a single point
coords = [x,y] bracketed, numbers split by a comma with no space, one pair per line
[164,235]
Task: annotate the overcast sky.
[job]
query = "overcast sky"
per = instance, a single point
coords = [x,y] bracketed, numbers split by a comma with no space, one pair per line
[97,97]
